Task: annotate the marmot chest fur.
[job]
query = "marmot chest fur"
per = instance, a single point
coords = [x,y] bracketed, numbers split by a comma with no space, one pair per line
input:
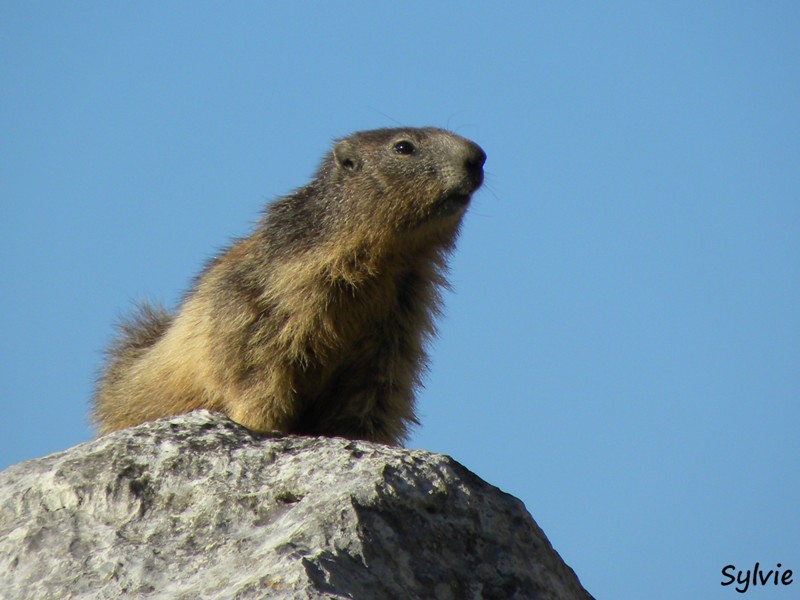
[317,322]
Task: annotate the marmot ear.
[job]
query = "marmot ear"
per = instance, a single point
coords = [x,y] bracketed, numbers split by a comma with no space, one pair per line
[346,156]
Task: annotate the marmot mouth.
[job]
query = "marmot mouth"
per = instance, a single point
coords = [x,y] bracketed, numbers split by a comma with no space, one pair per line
[452,203]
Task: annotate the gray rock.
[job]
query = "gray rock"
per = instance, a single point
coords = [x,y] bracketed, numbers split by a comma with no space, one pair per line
[198,507]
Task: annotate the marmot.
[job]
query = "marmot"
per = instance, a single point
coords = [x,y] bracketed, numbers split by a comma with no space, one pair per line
[317,322]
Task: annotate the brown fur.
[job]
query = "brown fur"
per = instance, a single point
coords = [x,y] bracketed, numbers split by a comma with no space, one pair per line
[317,322]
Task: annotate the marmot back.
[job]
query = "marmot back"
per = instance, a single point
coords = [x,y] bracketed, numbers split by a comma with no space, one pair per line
[317,322]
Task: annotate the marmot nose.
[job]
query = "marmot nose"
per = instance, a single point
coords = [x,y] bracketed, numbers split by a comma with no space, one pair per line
[473,162]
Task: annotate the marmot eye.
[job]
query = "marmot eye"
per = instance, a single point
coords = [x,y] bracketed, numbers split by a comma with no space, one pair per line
[404,147]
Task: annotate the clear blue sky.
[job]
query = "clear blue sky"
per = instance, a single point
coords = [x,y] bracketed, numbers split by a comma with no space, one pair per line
[622,347]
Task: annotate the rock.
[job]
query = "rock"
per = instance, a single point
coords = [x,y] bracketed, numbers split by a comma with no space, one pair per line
[198,507]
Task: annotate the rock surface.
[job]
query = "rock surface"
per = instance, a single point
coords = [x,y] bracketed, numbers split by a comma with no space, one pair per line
[198,507]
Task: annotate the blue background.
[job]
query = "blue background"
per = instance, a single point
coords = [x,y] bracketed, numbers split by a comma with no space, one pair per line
[622,345]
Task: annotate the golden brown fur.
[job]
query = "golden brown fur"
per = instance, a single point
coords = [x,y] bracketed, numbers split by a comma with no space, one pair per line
[316,323]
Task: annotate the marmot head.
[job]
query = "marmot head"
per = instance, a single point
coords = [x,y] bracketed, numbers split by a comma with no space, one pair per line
[408,177]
